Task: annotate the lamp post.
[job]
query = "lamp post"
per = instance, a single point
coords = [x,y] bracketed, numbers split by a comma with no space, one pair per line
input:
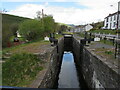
[118,30]
[117,46]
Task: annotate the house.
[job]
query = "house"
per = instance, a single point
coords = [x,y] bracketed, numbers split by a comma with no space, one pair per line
[110,22]
[88,27]
[82,28]
[18,34]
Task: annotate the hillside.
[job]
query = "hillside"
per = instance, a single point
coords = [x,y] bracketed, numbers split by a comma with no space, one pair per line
[64,24]
[6,18]
[9,21]
[98,25]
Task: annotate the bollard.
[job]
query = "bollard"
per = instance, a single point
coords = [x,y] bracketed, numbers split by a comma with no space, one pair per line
[83,42]
[115,49]
[89,41]
[113,41]
[105,39]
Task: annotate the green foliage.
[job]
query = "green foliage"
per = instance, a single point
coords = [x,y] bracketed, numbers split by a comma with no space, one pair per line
[57,27]
[14,29]
[34,29]
[97,25]
[9,22]
[20,69]
[108,52]
[49,24]
[31,29]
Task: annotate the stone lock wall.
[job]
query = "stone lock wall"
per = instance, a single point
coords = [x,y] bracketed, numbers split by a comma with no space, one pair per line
[96,73]
[51,76]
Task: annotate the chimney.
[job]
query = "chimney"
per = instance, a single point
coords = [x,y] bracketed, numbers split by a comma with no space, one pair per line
[42,13]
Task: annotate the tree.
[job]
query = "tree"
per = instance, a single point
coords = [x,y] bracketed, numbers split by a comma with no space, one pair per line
[6,34]
[31,29]
[38,15]
[57,27]
[14,28]
[49,24]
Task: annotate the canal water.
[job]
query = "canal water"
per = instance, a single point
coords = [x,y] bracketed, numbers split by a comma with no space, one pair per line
[68,75]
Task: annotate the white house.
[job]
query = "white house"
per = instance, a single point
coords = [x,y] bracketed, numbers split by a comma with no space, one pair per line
[88,27]
[110,22]
[82,28]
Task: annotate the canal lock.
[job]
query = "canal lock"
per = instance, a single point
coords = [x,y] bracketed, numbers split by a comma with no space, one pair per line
[69,74]
[63,71]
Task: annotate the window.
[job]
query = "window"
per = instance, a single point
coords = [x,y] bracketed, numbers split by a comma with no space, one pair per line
[107,19]
[111,18]
[106,25]
[114,17]
[114,24]
[110,25]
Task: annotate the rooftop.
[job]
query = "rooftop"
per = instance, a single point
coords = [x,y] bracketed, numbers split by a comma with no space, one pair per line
[112,14]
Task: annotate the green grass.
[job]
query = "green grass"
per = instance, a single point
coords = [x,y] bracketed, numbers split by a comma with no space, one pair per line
[107,42]
[81,34]
[103,31]
[109,52]
[57,36]
[67,32]
[20,70]
[106,53]
[31,47]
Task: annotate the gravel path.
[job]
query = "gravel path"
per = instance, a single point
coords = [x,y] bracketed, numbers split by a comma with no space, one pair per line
[101,45]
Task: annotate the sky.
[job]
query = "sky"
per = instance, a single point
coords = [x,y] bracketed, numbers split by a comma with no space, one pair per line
[64,11]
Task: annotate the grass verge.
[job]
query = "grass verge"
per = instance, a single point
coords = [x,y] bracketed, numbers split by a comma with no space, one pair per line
[32,47]
[20,69]
[103,31]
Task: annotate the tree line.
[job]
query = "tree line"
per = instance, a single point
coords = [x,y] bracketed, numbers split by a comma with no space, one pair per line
[32,29]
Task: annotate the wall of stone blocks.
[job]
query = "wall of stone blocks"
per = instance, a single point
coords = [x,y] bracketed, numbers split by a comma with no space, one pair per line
[51,76]
[96,73]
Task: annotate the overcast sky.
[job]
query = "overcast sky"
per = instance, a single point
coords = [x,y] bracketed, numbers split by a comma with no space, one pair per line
[65,11]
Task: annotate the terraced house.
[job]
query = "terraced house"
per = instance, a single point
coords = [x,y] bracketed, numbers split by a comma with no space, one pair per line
[112,20]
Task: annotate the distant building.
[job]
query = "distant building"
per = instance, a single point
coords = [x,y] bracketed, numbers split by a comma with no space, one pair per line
[82,28]
[110,22]
[88,27]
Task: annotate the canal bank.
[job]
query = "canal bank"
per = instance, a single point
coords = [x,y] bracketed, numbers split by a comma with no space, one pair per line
[62,72]
[96,71]
[92,71]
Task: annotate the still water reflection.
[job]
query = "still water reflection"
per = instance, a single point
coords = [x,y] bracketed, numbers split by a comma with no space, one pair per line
[68,74]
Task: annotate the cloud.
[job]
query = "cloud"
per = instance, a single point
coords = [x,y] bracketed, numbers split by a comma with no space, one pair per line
[97,10]
[37,0]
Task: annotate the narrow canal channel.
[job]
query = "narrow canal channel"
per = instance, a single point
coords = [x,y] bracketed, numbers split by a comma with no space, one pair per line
[68,75]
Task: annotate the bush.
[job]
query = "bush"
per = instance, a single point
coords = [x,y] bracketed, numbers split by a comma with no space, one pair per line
[14,28]
[20,69]
[31,29]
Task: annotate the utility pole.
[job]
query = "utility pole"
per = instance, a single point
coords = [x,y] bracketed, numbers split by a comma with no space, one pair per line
[117,47]
[118,28]
[42,13]
[42,19]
